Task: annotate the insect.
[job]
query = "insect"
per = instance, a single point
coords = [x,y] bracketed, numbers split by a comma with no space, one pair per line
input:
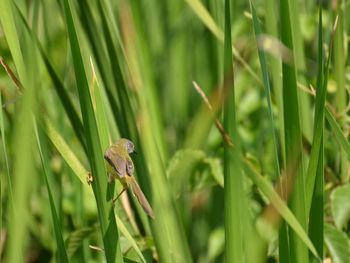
[120,166]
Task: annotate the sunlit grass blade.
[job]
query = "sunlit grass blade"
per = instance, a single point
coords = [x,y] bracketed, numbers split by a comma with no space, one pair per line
[296,251]
[315,175]
[340,54]
[109,229]
[23,172]
[233,177]
[101,119]
[23,163]
[65,151]
[61,253]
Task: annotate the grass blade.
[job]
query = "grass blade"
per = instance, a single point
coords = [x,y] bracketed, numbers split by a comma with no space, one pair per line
[233,190]
[315,175]
[3,139]
[339,74]
[23,164]
[263,65]
[294,164]
[62,253]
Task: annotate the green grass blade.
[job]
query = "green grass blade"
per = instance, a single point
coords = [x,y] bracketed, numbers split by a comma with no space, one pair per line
[295,9]
[23,164]
[62,253]
[142,54]
[315,176]
[99,110]
[65,151]
[264,69]
[294,163]
[127,127]
[233,177]
[109,229]
[23,172]
[339,74]
[3,139]
[275,68]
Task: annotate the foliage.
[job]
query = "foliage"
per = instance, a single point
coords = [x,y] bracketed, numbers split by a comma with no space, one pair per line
[249,165]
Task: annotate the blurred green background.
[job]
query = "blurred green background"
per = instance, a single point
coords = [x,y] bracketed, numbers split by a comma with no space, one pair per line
[271,184]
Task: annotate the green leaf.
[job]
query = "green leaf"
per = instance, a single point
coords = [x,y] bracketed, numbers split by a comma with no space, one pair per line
[337,244]
[340,205]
